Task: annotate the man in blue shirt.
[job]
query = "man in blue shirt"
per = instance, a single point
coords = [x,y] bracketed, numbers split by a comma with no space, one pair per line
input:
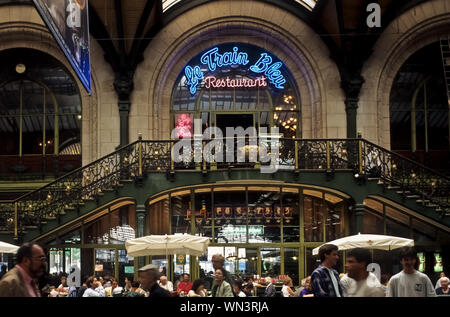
[324,279]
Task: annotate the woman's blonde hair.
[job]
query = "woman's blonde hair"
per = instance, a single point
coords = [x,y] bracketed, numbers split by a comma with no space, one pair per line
[287,280]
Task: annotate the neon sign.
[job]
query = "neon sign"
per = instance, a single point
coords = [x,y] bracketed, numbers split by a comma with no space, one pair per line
[264,65]
[212,58]
[213,82]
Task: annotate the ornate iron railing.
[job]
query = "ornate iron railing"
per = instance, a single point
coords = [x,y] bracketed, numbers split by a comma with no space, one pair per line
[413,179]
[131,162]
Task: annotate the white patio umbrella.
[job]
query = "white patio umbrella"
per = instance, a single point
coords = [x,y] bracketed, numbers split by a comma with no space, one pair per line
[371,241]
[167,244]
[8,248]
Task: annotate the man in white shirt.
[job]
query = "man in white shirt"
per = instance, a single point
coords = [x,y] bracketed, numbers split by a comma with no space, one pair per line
[164,283]
[94,288]
[409,282]
[358,282]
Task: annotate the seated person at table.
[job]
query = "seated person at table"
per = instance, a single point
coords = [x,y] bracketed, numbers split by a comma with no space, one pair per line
[237,289]
[307,291]
[248,289]
[198,289]
[63,287]
[287,287]
[444,289]
[164,283]
[134,291]
[185,286]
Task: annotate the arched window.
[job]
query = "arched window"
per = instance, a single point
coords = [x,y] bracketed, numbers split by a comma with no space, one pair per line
[419,115]
[40,115]
[236,85]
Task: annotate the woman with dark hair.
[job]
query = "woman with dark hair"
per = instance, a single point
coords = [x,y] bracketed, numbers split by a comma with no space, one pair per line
[223,288]
[198,289]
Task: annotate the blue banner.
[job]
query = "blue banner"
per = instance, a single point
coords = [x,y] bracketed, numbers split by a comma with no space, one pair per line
[68,21]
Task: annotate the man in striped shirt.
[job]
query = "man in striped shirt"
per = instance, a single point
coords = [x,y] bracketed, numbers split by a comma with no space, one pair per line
[324,279]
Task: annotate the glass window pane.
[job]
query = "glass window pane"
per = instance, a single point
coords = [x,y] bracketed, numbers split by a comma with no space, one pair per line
[56,261]
[104,262]
[264,121]
[335,221]
[180,220]
[290,212]
[32,98]
[120,230]
[203,213]
[73,237]
[10,98]
[270,262]
[287,122]
[313,218]
[291,264]
[98,231]
[246,99]
[72,258]
[159,217]
[264,99]
[9,134]
[32,135]
[204,101]
[69,131]
[248,261]
[261,207]
[205,120]
[230,221]
[126,267]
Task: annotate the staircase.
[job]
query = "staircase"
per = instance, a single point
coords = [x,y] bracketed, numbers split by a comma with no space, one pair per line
[130,164]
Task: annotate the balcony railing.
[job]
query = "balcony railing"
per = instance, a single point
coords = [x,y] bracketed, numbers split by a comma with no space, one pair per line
[130,163]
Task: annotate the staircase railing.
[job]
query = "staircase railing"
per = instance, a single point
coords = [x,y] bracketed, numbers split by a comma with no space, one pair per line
[413,179]
[130,163]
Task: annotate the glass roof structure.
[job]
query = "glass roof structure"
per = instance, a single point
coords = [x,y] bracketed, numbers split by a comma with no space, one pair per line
[308,4]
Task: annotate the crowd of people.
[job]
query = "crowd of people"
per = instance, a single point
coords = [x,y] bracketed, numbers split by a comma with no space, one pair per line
[24,280]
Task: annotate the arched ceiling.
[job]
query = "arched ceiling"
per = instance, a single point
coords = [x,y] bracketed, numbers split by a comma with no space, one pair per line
[125,28]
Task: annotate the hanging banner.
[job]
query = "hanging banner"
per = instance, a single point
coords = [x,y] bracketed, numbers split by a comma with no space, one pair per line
[68,21]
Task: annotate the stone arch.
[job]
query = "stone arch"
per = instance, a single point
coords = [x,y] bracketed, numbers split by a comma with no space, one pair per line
[258,24]
[16,33]
[413,30]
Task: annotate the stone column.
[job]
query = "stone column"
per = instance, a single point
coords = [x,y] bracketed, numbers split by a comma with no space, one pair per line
[123,84]
[359,210]
[352,87]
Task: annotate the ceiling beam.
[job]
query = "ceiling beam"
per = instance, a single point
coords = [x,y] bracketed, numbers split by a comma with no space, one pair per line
[144,19]
[120,32]
[99,32]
